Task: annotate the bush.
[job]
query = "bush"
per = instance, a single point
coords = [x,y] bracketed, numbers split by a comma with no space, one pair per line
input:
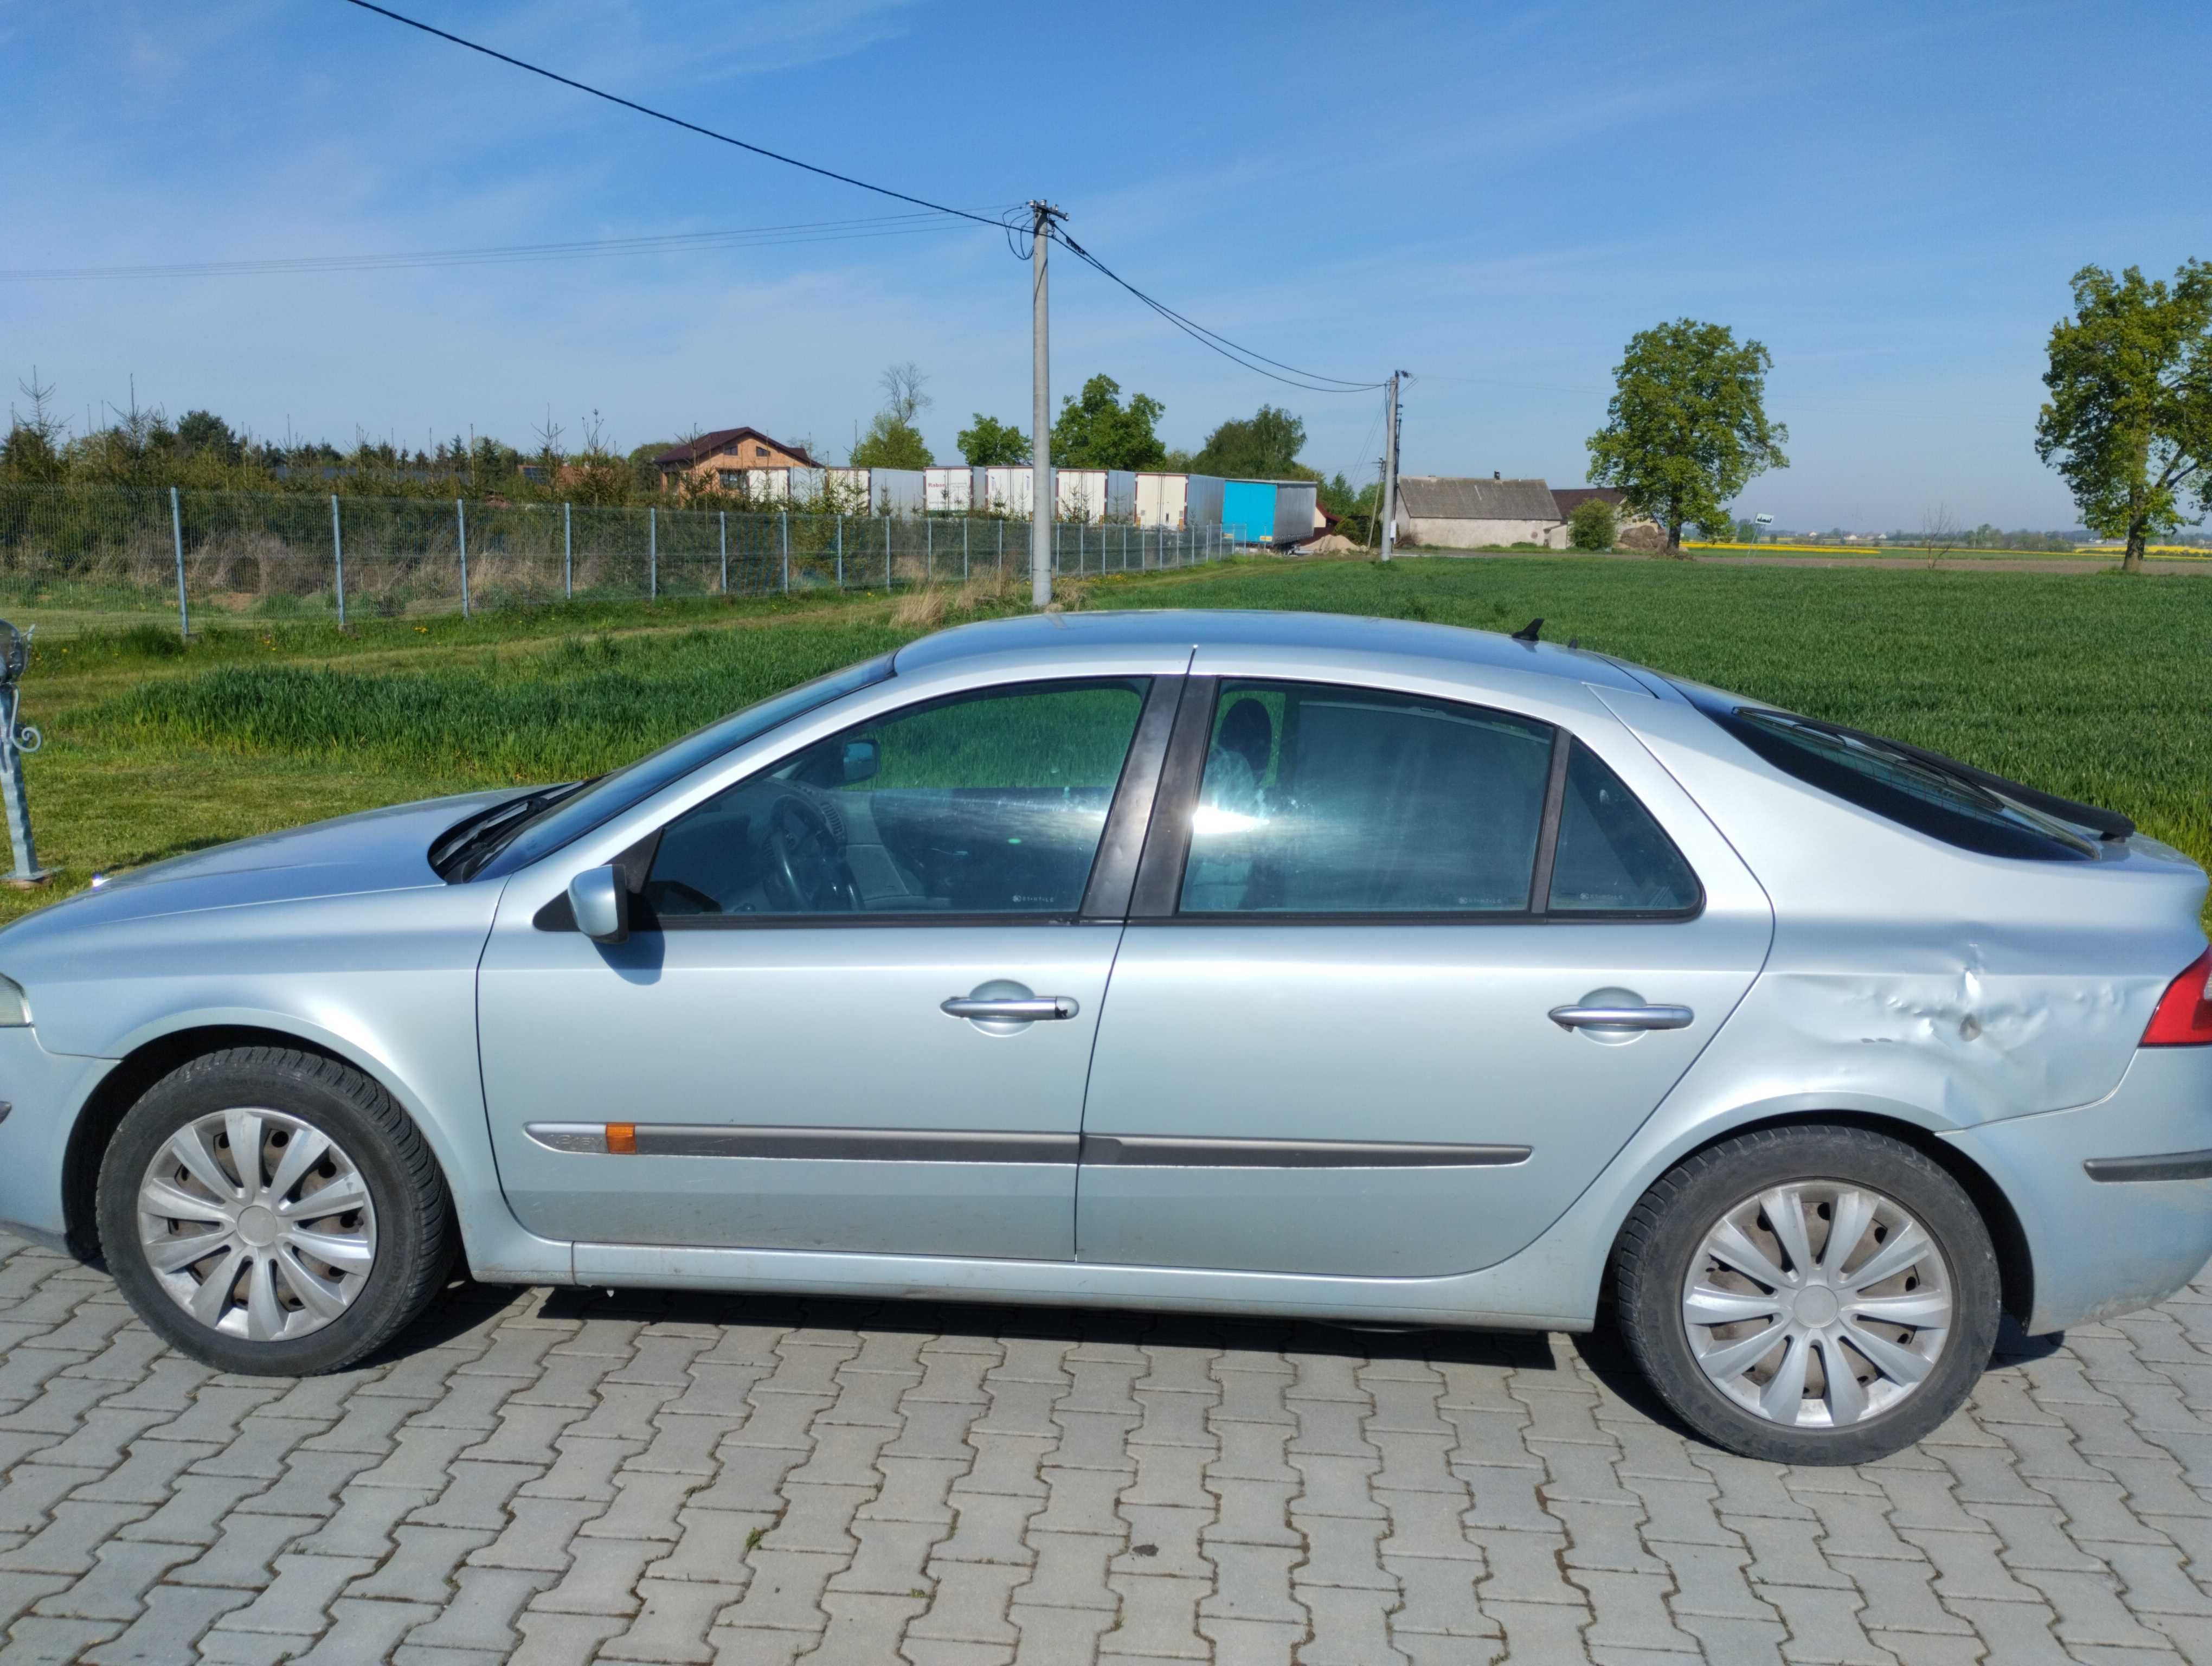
[1591,527]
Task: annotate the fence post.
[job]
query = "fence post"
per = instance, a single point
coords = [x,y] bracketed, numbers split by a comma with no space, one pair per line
[783,538]
[568,551]
[1002,548]
[461,527]
[928,548]
[177,532]
[964,525]
[338,555]
[725,552]
[887,554]
[652,554]
[841,552]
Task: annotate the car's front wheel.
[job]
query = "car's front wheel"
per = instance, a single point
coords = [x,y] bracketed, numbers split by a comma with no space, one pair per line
[1808,1294]
[273,1212]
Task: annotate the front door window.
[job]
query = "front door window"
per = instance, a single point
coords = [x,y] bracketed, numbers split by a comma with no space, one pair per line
[984,805]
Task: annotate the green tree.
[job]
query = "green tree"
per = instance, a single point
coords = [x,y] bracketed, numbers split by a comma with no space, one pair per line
[2129,422]
[1096,430]
[993,444]
[891,442]
[1687,428]
[1592,526]
[202,433]
[1262,446]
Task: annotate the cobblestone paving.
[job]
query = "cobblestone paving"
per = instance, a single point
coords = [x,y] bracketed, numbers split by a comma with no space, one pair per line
[555,1477]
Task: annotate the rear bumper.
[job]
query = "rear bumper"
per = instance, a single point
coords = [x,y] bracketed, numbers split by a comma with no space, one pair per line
[2114,1198]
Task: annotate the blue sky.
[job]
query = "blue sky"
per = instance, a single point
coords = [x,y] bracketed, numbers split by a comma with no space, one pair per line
[1494,197]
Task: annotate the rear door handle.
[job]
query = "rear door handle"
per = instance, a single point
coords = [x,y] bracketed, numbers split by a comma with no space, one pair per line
[1623,1018]
[1024,1008]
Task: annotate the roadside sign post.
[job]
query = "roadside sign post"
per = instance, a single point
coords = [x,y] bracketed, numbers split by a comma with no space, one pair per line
[16,739]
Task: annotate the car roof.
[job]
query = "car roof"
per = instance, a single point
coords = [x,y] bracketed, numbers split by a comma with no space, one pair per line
[1049,635]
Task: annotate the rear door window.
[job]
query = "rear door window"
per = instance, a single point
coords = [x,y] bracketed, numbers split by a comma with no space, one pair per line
[1319,800]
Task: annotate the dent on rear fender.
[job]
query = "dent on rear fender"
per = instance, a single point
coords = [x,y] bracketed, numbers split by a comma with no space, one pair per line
[1967,1045]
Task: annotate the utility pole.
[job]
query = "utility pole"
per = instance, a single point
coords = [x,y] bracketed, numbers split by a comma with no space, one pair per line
[1042,218]
[1389,504]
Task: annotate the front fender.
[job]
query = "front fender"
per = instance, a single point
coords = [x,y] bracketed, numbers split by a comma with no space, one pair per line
[386,982]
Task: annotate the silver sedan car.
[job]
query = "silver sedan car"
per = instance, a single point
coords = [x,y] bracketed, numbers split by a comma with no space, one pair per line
[1360,969]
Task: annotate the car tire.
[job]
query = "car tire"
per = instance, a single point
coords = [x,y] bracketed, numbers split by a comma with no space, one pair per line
[302,1293]
[1673,1267]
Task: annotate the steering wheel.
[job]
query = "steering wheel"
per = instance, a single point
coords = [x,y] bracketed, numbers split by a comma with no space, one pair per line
[804,867]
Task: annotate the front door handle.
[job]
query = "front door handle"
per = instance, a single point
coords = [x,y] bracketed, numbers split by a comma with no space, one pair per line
[1622,1018]
[1023,1009]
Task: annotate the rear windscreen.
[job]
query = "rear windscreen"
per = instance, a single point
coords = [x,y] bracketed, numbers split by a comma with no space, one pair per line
[1916,789]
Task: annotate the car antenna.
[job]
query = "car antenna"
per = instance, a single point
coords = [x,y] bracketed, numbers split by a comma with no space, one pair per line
[1530,632]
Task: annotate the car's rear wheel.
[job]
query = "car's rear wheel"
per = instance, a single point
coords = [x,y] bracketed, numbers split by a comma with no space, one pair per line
[1808,1294]
[273,1212]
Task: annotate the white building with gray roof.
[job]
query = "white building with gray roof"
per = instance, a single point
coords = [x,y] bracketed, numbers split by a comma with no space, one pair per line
[1455,513]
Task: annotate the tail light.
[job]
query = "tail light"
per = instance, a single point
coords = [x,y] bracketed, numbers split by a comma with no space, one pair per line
[2184,1018]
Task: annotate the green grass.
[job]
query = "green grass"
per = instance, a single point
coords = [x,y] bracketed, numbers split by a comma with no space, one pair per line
[2092,685]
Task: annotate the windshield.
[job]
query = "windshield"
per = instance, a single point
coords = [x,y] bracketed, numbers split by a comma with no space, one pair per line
[602,801]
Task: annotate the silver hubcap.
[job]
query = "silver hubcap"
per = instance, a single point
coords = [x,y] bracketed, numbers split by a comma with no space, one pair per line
[256,1224]
[1817,1304]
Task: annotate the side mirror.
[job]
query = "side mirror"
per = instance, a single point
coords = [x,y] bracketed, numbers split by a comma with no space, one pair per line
[601,902]
[863,757]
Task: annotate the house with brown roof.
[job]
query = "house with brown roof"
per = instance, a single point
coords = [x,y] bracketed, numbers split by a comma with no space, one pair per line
[723,457]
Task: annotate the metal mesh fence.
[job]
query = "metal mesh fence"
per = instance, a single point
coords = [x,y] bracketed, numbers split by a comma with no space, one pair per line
[72,558]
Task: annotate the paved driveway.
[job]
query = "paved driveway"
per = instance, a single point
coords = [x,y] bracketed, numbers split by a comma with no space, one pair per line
[555,1476]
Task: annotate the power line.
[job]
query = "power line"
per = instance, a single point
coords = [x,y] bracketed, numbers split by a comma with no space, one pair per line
[673,121]
[1313,381]
[818,231]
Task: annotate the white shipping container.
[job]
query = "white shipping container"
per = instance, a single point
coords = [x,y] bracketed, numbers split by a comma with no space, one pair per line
[950,491]
[879,491]
[1010,490]
[1178,500]
[1094,495]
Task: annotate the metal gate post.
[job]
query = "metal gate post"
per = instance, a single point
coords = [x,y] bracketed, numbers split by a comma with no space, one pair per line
[338,555]
[568,551]
[783,537]
[15,740]
[461,525]
[177,532]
